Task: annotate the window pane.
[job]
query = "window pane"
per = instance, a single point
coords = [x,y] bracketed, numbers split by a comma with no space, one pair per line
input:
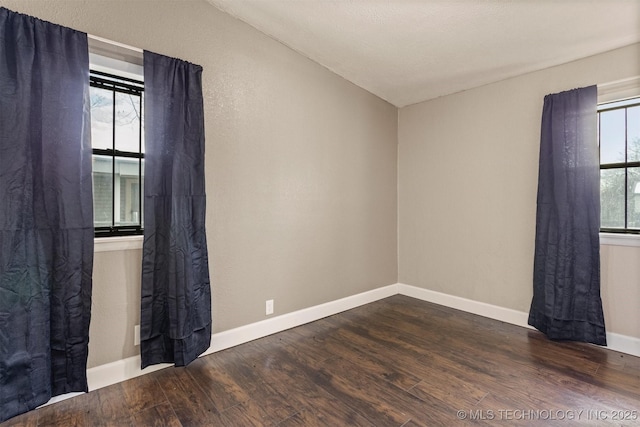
[101,118]
[633,198]
[612,198]
[142,200]
[127,194]
[633,133]
[127,122]
[102,191]
[142,128]
[612,136]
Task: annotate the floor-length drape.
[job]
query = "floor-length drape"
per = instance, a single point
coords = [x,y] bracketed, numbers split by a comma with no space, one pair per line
[46,212]
[566,301]
[175,322]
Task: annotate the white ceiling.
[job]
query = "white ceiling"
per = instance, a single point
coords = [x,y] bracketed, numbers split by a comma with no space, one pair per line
[407,51]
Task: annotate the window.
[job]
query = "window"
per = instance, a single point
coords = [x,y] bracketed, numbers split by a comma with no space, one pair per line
[117,135]
[619,143]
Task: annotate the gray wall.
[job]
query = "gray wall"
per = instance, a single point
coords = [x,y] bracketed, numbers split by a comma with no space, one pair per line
[468,170]
[300,170]
[311,199]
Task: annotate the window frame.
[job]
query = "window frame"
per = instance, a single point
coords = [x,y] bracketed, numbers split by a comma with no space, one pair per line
[120,84]
[615,105]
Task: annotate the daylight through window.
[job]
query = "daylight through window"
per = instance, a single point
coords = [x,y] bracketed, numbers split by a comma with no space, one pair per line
[619,143]
[117,134]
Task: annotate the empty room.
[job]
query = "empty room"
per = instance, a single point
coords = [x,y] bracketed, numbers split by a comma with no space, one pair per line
[319,213]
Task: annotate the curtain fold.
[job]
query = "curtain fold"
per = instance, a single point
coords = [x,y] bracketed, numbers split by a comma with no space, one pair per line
[46,214]
[566,301]
[175,324]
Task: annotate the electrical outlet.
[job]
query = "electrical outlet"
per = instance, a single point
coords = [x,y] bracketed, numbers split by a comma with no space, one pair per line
[136,335]
[269,306]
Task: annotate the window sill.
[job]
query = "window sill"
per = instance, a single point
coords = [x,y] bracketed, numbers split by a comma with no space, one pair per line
[121,243]
[614,239]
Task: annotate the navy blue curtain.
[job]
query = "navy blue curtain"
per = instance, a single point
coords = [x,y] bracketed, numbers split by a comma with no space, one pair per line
[175,324]
[46,213]
[566,301]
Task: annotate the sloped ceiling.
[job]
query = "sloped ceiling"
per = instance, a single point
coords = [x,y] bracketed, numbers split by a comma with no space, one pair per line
[408,51]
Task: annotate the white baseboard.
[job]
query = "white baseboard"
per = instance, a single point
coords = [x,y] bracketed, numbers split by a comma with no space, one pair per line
[121,370]
[247,333]
[616,342]
[623,343]
[118,371]
[112,373]
[495,312]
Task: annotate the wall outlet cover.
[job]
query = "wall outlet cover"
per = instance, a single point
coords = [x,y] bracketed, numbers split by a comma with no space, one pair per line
[269,307]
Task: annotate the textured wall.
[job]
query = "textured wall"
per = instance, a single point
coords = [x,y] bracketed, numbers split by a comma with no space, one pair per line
[301,169]
[301,177]
[115,305]
[468,170]
[620,275]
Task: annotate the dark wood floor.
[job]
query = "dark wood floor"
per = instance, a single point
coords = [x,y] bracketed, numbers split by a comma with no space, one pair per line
[395,362]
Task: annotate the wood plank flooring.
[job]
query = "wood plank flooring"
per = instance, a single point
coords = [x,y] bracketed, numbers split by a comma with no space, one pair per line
[395,362]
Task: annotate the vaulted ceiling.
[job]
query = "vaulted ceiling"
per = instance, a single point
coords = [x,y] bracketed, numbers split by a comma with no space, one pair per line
[408,51]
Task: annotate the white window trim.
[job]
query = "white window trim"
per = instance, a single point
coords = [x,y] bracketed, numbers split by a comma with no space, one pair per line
[610,92]
[124,60]
[115,58]
[619,90]
[117,243]
[614,239]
